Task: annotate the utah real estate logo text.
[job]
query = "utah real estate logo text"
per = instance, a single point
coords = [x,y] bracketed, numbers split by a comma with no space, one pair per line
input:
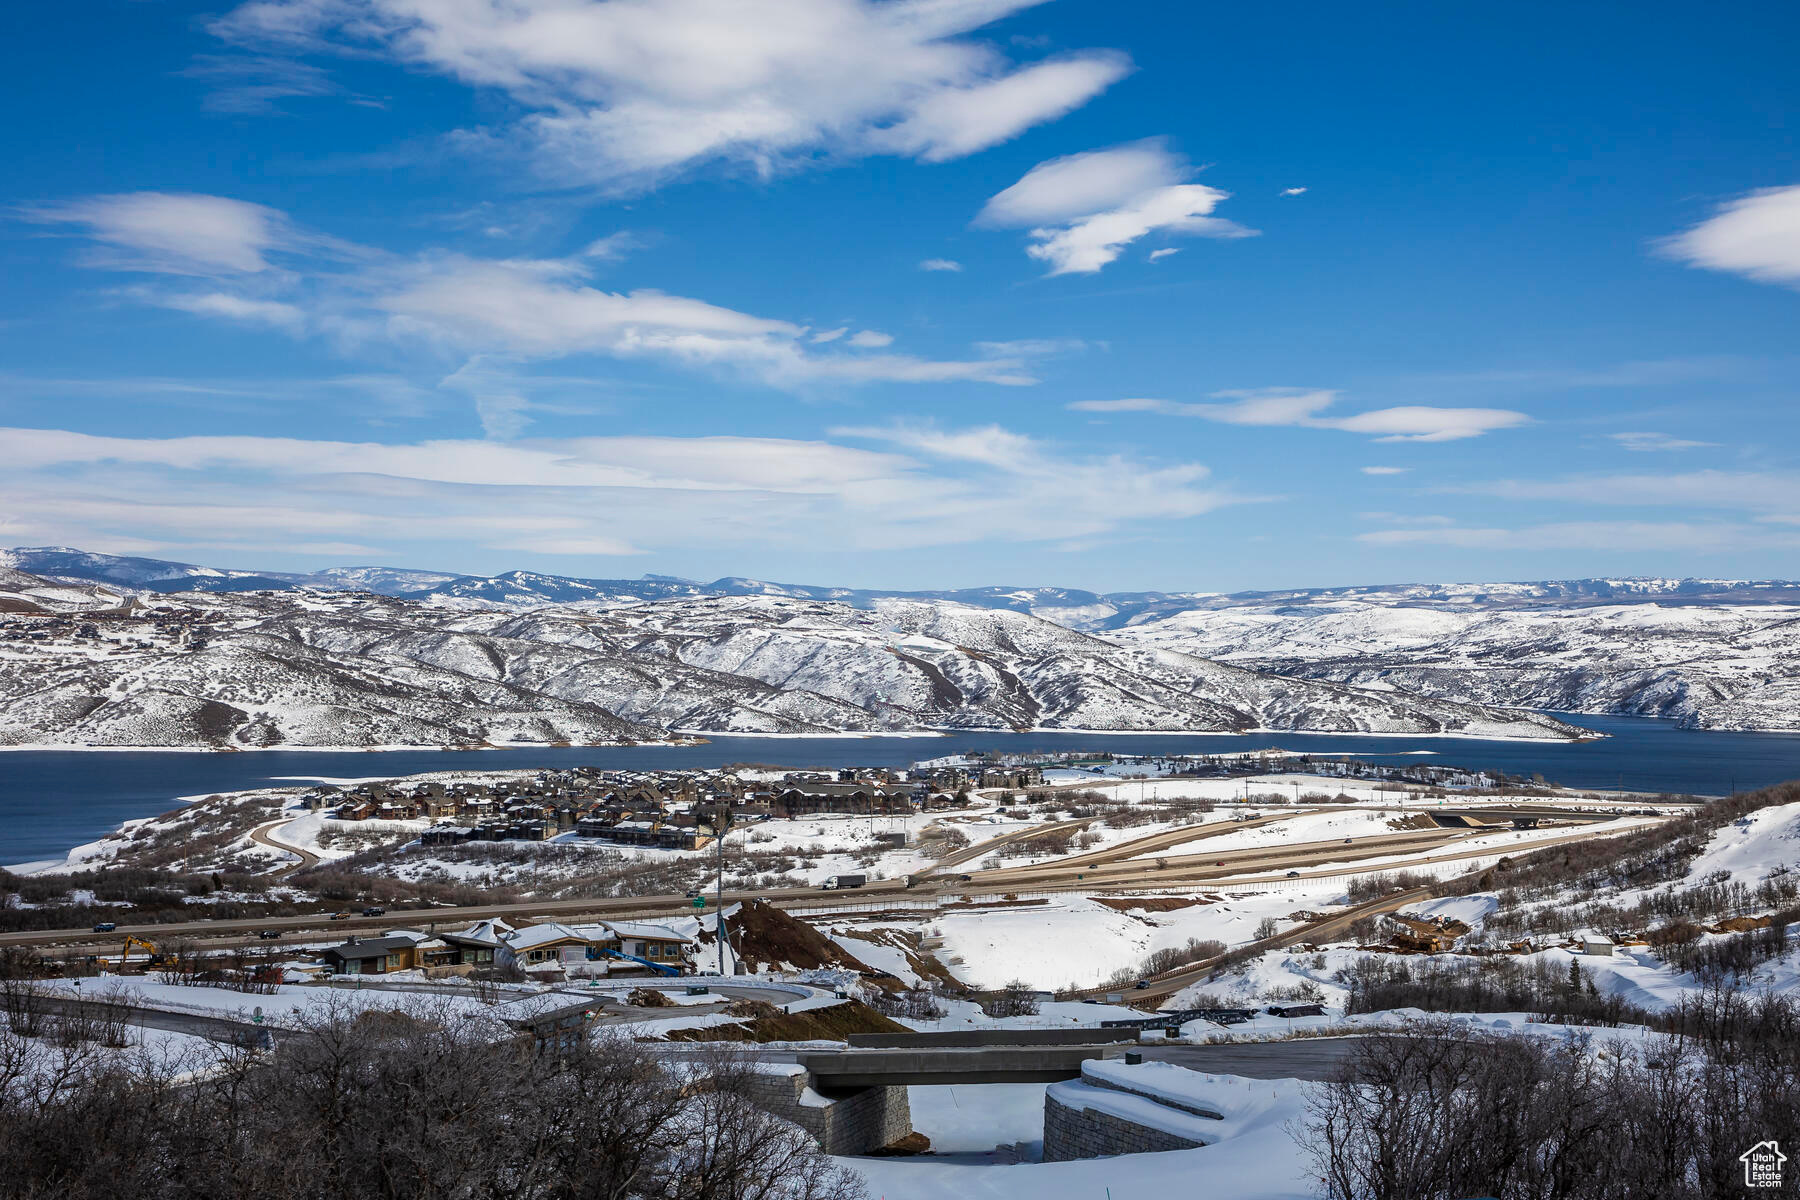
[1762,1164]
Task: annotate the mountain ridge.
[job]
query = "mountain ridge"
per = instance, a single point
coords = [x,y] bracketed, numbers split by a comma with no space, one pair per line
[303,667]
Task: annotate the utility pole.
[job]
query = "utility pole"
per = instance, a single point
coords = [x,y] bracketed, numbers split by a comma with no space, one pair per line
[721,823]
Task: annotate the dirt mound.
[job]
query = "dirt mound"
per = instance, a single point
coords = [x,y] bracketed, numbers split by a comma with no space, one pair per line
[832,1024]
[649,998]
[920,961]
[764,936]
[755,1009]
[1150,903]
[913,1143]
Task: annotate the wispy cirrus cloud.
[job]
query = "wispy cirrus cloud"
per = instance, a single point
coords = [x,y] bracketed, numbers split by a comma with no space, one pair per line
[1756,235]
[881,488]
[224,259]
[624,94]
[1645,442]
[1757,492]
[1082,210]
[178,233]
[1697,537]
[1305,408]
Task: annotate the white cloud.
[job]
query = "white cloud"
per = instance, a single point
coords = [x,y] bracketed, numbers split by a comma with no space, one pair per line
[955,122]
[1084,209]
[1749,491]
[230,307]
[1078,185]
[1423,423]
[1159,255]
[1293,191]
[613,246]
[1033,347]
[1756,235]
[917,487]
[1599,536]
[525,309]
[175,233]
[1643,442]
[1127,405]
[1304,408]
[1385,470]
[625,93]
[1266,406]
[940,264]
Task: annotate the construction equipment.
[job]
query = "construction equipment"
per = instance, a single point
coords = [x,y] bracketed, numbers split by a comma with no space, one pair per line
[157,957]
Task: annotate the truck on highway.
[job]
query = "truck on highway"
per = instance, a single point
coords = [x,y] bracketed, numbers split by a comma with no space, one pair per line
[838,882]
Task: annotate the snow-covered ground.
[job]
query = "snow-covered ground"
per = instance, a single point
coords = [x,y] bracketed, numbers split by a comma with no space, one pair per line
[1254,1155]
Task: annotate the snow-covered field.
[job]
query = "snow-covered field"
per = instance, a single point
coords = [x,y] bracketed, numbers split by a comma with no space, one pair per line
[1253,1154]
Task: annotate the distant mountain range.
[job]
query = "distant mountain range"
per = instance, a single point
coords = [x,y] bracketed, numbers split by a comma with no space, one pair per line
[83,665]
[1074,608]
[786,658]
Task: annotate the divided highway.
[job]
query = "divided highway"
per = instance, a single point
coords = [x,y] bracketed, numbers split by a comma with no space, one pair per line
[1114,868]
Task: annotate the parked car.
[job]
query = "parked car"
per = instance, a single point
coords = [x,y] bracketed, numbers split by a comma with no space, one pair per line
[373,911]
[268,933]
[106,927]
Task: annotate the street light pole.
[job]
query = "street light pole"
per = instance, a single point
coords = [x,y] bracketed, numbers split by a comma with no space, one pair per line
[721,822]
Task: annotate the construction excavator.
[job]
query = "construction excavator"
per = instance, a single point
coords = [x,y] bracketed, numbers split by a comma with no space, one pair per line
[157,957]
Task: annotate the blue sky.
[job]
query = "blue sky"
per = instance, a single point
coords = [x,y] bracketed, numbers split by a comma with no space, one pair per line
[929,294]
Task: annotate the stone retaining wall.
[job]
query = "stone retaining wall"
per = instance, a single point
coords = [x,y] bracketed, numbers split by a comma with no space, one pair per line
[1071,1133]
[855,1123]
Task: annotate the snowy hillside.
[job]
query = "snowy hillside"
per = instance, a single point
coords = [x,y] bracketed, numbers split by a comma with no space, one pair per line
[298,667]
[1709,653]
[1708,666]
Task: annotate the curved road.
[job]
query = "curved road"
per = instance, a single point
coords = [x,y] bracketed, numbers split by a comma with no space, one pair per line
[262,837]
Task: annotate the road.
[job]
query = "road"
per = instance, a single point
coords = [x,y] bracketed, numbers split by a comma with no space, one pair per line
[262,837]
[980,849]
[1323,929]
[1301,1058]
[212,1028]
[1245,867]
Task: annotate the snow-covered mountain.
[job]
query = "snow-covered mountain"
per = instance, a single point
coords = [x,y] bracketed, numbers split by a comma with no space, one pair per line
[303,667]
[1711,653]
[1706,664]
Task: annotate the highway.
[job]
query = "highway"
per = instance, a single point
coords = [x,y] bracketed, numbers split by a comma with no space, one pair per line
[1111,869]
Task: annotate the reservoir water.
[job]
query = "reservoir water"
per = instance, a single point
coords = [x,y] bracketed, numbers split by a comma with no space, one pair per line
[54,800]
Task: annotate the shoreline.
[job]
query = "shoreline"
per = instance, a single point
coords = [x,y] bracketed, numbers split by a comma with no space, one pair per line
[687,739]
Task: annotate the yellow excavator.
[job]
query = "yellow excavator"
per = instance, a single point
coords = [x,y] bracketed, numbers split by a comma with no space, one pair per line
[157,957]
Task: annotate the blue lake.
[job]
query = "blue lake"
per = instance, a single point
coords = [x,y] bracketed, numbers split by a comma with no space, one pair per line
[53,800]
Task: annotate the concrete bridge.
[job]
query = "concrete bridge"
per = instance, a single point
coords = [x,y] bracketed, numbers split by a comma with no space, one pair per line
[918,1066]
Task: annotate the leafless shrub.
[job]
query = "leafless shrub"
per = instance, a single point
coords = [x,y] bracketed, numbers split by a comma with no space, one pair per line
[1442,1112]
[1016,999]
